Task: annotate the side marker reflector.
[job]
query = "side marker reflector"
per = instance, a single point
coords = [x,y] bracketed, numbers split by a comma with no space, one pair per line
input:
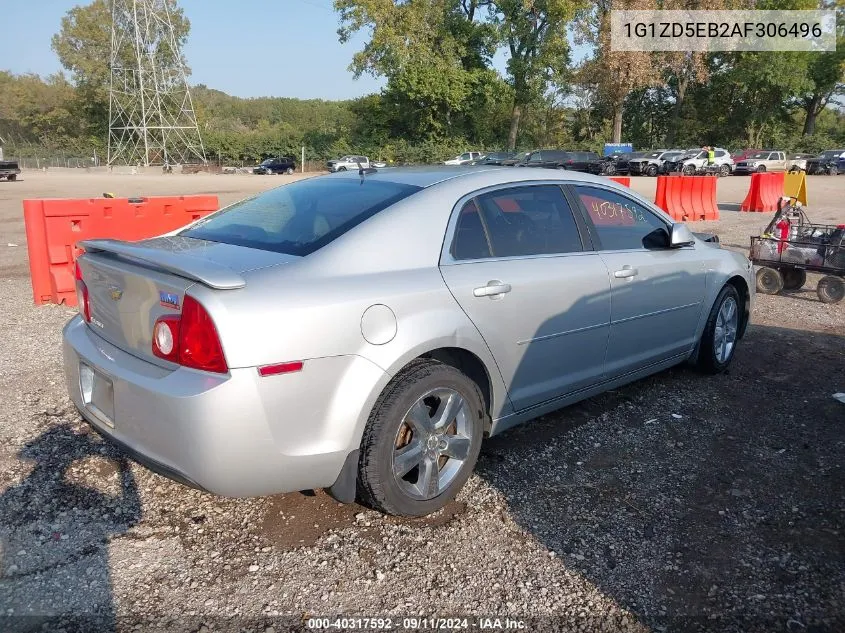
[280,368]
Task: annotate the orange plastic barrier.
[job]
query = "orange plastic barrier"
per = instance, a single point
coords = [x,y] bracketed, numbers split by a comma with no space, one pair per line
[687,198]
[55,226]
[622,180]
[764,192]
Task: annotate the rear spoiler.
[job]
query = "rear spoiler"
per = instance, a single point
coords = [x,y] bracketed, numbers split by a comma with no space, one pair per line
[202,270]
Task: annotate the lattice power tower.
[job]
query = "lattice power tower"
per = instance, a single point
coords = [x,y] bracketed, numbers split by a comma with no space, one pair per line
[151,114]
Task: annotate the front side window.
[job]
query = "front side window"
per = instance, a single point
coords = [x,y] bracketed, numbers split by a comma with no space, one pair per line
[535,157]
[620,222]
[516,222]
[302,217]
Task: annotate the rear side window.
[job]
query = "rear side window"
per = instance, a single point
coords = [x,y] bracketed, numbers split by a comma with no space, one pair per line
[516,222]
[622,223]
[302,217]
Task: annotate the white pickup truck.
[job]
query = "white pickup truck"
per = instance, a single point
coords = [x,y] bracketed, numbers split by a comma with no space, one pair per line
[352,162]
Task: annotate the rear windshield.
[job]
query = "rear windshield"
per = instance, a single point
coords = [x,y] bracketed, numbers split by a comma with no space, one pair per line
[302,217]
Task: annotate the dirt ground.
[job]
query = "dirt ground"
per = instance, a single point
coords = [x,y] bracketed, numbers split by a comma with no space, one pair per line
[678,503]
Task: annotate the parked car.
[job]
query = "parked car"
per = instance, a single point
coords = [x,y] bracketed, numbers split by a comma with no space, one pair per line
[368,338]
[562,159]
[463,159]
[492,158]
[283,165]
[649,163]
[743,154]
[349,162]
[675,164]
[829,162]
[762,161]
[9,170]
[616,164]
[798,162]
[696,161]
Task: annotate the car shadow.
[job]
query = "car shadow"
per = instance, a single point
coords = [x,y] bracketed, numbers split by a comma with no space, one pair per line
[56,532]
[698,502]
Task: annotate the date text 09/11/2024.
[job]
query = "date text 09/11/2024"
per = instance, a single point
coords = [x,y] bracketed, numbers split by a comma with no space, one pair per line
[416,624]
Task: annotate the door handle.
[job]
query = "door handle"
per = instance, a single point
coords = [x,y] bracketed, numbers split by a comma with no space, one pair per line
[626,273]
[493,289]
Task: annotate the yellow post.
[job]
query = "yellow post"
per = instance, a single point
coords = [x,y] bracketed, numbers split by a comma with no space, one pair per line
[796,185]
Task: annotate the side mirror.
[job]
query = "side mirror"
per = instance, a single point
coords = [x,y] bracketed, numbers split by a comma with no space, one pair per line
[681,236]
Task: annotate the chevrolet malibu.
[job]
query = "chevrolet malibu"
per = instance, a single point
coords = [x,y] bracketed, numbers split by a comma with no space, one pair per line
[364,332]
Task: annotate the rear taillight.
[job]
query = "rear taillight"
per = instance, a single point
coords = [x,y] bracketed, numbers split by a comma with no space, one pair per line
[190,339]
[82,294]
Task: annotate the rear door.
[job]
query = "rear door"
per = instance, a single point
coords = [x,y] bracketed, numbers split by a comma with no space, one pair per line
[656,292]
[515,261]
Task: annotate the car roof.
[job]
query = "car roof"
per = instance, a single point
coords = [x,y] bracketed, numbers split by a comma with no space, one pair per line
[426,176]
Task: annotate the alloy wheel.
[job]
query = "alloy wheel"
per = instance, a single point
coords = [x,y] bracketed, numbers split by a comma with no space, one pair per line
[432,444]
[724,337]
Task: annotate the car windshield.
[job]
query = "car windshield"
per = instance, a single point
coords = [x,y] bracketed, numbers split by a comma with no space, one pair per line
[760,155]
[302,217]
[670,155]
[653,155]
[267,161]
[831,153]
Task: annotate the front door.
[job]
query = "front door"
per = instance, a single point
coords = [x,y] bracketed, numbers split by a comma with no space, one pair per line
[656,291]
[517,266]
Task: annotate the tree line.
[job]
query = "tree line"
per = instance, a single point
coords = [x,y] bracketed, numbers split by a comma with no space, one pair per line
[443,94]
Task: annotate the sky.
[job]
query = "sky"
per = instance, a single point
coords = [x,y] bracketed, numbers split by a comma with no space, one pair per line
[246,48]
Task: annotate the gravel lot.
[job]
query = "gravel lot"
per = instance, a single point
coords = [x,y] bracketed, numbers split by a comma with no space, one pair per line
[679,503]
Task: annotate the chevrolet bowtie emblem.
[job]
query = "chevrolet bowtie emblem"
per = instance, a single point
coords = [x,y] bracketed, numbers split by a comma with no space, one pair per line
[116,294]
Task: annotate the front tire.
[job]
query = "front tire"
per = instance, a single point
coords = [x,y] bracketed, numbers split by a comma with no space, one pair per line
[688,170]
[341,168]
[769,281]
[761,169]
[651,170]
[718,342]
[422,440]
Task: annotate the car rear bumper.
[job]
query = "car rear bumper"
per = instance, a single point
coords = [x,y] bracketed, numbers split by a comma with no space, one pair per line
[236,434]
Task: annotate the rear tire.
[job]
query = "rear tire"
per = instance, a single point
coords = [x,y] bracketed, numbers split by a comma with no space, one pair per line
[793,278]
[769,281]
[724,170]
[610,170]
[718,341]
[830,289]
[289,171]
[392,432]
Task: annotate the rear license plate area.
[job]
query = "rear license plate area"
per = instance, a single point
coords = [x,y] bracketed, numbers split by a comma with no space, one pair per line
[97,394]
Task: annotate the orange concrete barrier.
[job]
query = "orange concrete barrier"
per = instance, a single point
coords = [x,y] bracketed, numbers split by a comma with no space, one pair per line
[54,227]
[687,198]
[622,180]
[763,194]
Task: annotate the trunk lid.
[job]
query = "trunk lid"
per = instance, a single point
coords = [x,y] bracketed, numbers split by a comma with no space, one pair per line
[130,285]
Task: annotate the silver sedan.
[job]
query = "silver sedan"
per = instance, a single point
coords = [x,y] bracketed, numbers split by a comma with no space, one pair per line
[363,332]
